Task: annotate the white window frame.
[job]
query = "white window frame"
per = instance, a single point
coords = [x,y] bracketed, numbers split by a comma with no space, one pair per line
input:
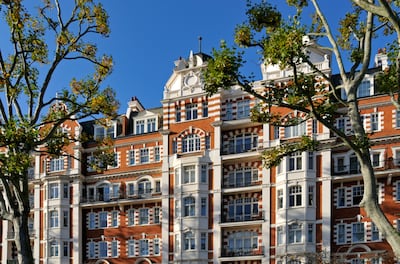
[103,219]
[242,177]
[341,197]
[144,216]
[156,246]
[375,122]
[243,109]
[295,233]
[101,132]
[131,157]
[131,216]
[144,155]
[131,247]
[191,111]
[54,191]
[114,249]
[189,174]
[54,219]
[103,249]
[295,161]
[296,130]
[189,241]
[357,232]
[56,164]
[280,199]
[189,204]
[54,249]
[91,250]
[341,234]
[295,196]
[191,143]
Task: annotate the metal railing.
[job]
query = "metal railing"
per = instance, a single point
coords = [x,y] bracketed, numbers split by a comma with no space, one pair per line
[228,252]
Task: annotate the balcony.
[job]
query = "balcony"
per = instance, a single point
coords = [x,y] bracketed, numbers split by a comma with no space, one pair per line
[247,253]
[242,218]
[122,196]
[346,169]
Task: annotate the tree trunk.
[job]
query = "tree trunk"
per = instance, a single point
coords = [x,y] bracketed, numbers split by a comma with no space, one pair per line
[22,239]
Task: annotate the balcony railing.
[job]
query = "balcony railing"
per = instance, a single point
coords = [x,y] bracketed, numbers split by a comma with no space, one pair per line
[228,184]
[228,252]
[117,197]
[241,218]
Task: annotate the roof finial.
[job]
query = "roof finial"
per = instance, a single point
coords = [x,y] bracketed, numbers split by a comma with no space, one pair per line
[200,39]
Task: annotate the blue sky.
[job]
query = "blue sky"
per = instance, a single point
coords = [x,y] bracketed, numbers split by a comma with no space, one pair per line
[148,36]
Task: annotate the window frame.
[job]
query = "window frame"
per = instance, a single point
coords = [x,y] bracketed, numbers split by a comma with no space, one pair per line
[189,206]
[295,196]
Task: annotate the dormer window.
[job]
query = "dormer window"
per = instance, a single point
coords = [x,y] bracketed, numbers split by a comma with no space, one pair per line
[145,125]
[101,132]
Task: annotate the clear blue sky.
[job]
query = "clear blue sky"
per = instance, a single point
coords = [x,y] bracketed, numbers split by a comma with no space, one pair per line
[148,36]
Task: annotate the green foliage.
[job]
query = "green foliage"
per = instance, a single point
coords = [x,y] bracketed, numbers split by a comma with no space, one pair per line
[223,69]
[272,157]
[263,16]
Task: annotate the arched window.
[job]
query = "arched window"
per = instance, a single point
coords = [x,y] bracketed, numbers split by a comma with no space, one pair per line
[189,241]
[191,143]
[144,186]
[189,206]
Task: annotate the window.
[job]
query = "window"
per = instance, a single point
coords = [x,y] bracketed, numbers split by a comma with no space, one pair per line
[174,147]
[53,249]
[189,173]
[364,89]
[92,221]
[354,165]
[65,248]
[341,197]
[203,241]
[53,191]
[295,161]
[140,127]
[375,159]
[189,241]
[151,125]
[53,218]
[103,192]
[242,209]
[243,109]
[131,248]
[144,155]
[131,157]
[295,233]
[340,164]
[341,234]
[130,189]
[203,208]
[101,132]
[191,143]
[57,164]
[358,232]
[114,248]
[131,217]
[242,177]
[242,242]
[241,143]
[143,247]
[310,233]
[65,218]
[310,195]
[207,142]
[376,261]
[178,114]
[358,192]
[280,198]
[374,121]
[276,132]
[341,124]
[102,249]
[310,160]
[203,173]
[156,154]
[143,216]
[144,187]
[156,215]
[189,206]
[191,111]
[103,219]
[156,246]
[114,218]
[398,191]
[397,118]
[228,111]
[295,196]
[296,130]
[65,190]
[280,235]
[158,186]
[314,126]
[205,109]
[374,232]
[91,250]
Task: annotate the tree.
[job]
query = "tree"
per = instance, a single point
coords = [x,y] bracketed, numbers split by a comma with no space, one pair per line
[41,39]
[285,43]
